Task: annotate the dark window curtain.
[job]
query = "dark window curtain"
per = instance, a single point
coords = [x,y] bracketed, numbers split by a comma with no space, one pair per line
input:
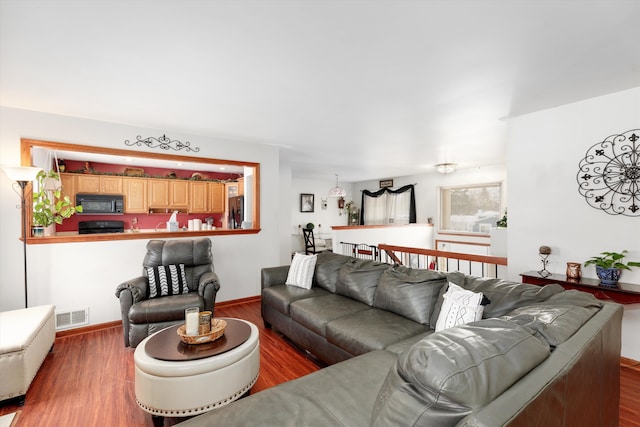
[375,194]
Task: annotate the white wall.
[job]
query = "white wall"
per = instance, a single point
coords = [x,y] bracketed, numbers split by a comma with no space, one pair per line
[320,189]
[545,207]
[74,275]
[428,192]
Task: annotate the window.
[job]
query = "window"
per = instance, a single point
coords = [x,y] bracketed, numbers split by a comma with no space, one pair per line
[387,206]
[470,209]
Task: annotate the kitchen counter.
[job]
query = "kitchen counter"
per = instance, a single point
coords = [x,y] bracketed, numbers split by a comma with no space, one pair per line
[74,236]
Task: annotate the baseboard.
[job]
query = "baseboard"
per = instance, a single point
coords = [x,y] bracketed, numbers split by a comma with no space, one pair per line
[88,329]
[625,362]
[118,323]
[238,301]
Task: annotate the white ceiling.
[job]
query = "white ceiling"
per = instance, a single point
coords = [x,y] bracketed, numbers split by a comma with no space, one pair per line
[366,89]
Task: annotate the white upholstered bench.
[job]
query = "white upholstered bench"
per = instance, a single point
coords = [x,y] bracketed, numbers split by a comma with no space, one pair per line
[26,337]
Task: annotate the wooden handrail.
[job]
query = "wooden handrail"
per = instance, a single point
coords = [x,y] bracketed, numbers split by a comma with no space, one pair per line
[390,249]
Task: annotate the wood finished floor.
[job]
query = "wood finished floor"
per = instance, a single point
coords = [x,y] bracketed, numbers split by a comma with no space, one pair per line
[88,379]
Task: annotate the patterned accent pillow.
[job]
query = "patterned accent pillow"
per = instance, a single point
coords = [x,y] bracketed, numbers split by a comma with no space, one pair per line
[167,280]
[460,306]
[301,271]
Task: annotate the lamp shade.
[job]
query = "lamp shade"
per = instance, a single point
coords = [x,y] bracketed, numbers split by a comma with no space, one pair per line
[337,191]
[23,173]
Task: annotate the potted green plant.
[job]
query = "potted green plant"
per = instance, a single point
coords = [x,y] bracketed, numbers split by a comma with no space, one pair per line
[609,266]
[49,206]
[502,222]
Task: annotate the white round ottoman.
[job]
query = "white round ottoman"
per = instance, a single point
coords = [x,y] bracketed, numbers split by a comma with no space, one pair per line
[190,387]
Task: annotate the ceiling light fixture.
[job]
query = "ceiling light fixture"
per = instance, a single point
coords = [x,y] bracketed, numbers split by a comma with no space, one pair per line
[337,191]
[445,168]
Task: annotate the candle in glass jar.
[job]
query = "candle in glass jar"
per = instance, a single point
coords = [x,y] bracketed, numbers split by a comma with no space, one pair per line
[191,317]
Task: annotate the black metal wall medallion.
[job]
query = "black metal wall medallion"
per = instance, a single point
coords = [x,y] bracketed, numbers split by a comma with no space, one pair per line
[163,143]
[609,174]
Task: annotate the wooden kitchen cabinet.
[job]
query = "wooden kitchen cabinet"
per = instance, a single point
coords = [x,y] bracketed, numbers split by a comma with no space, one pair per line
[158,193]
[216,197]
[98,184]
[88,183]
[241,187]
[179,194]
[111,184]
[169,194]
[199,197]
[68,186]
[135,195]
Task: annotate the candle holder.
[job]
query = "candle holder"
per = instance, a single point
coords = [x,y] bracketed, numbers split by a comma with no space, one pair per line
[205,323]
[191,318]
[544,253]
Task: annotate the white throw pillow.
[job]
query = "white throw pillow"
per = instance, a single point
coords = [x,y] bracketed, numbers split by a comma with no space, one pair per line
[301,270]
[460,306]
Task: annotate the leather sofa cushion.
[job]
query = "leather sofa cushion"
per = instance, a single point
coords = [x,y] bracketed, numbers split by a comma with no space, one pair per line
[339,395]
[358,279]
[369,330]
[406,344]
[315,313]
[409,292]
[445,376]
[328,266]
[504,295]
[281,296]
[559,317]
[165,309]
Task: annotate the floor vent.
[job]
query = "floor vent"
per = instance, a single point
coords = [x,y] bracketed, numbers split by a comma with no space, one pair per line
[69,319]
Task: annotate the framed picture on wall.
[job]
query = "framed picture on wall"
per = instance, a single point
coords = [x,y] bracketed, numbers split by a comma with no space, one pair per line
[306,202]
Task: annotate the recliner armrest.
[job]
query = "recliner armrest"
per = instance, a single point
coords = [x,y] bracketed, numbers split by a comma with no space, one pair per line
[137,287]
[207,278]
[208,288]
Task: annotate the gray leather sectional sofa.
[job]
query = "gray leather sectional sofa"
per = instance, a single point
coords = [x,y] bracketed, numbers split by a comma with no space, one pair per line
[539,356]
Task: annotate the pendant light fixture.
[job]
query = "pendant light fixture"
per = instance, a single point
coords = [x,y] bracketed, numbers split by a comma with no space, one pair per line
[337,191]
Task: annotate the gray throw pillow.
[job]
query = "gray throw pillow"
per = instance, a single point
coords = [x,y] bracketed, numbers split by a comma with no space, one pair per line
[559,317]
[448,374]
[409,292]
[503,295]
[328,266]
[358,279]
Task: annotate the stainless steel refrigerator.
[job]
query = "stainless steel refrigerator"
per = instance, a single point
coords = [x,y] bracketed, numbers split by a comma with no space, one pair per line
[236,212]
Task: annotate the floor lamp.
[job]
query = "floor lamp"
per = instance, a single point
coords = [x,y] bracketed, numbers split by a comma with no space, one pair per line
[22,176]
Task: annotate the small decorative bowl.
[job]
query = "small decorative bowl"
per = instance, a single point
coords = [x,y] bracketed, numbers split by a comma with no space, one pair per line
[217,330]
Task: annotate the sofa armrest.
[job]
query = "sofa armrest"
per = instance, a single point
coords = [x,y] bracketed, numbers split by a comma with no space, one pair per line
[208,288]
[272,276]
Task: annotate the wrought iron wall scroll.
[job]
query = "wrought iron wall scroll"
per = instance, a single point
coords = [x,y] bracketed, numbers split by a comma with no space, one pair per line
[163,143]
[609,174]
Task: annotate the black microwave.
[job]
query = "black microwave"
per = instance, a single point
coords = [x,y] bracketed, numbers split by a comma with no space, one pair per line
[105,204]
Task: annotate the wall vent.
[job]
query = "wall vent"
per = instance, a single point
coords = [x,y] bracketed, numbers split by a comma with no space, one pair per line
[72,318]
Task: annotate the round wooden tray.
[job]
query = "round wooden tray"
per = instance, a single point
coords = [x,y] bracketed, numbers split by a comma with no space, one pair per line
[217,330]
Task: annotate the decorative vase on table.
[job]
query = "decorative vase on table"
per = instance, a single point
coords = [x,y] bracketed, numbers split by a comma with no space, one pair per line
[573,271]
[608,276]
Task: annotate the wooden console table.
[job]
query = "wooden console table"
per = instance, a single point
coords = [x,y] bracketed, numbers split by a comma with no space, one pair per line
[625,293]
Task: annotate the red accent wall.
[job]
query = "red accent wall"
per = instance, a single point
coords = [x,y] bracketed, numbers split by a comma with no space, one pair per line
[145,221]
